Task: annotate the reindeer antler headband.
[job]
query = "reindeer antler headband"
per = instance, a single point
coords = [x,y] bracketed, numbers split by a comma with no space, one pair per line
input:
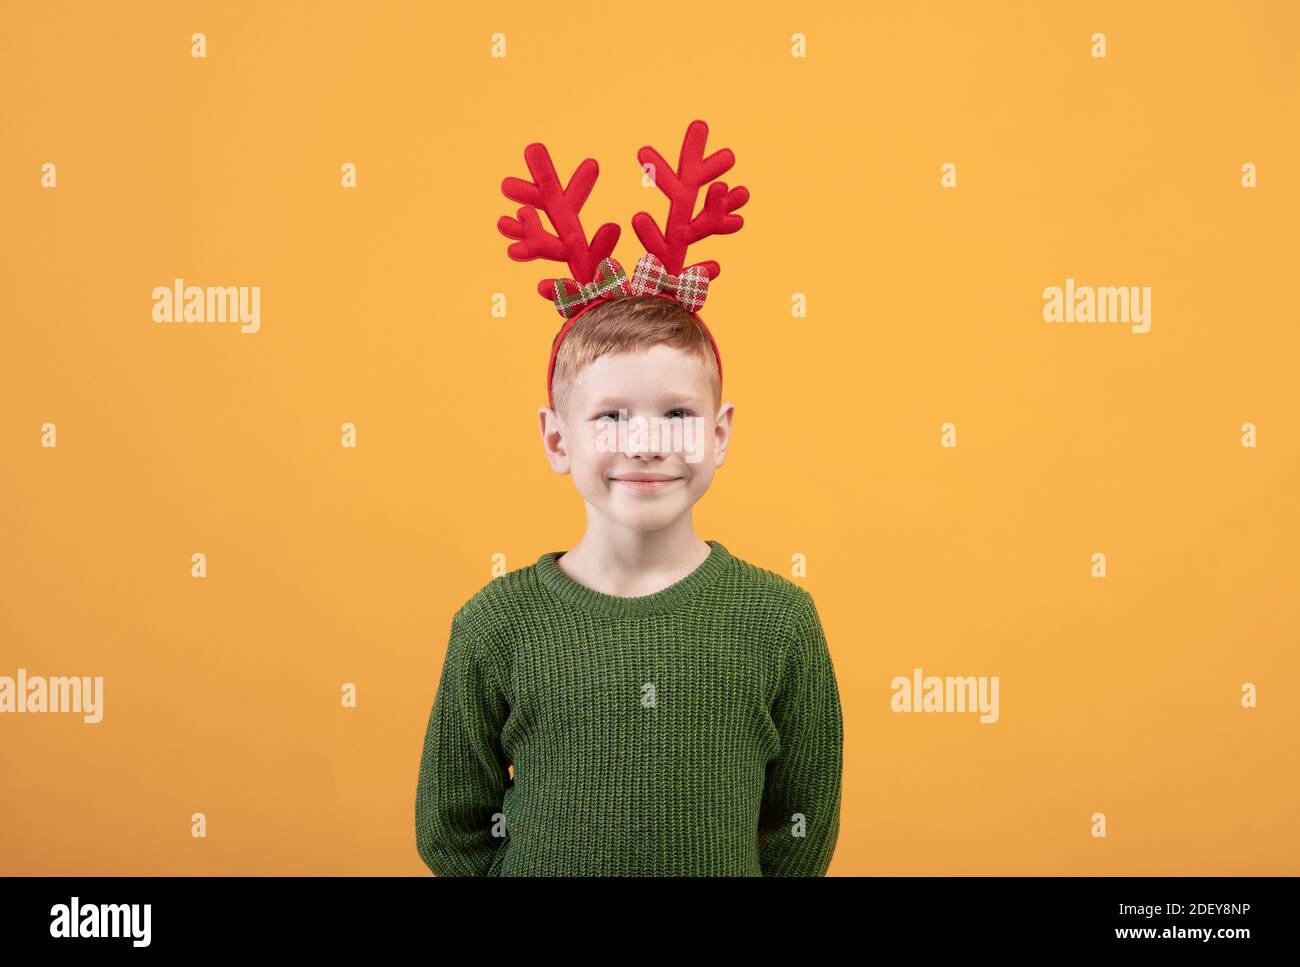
[597,276]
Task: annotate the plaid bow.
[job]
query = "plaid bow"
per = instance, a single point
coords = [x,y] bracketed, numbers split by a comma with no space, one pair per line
[648,278]
[689,288]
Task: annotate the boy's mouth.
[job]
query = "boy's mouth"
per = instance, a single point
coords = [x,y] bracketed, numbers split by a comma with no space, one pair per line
[645,482]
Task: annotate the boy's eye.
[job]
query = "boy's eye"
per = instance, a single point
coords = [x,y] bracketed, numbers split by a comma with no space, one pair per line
[674,414]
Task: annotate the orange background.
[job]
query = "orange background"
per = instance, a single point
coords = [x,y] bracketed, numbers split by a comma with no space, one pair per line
[329,565]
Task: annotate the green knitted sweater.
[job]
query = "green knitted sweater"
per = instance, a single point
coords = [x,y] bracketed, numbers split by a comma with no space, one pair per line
[695,731]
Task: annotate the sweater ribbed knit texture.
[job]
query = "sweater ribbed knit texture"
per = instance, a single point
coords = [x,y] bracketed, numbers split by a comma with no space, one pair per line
[695,731]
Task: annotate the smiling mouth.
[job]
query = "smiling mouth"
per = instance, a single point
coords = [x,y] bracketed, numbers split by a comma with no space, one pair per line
[646,486]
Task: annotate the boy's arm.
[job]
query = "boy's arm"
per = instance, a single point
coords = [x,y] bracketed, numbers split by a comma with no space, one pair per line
[799,822]
[458,801]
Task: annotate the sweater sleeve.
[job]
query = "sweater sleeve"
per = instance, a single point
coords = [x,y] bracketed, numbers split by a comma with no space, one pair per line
[799,821]
[463,769]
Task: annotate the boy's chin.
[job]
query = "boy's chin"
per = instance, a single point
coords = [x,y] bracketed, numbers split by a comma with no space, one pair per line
[640,512]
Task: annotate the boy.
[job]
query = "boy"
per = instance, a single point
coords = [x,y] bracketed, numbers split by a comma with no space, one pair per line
[645,704]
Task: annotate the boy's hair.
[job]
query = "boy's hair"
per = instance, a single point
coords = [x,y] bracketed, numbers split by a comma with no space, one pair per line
[630,324]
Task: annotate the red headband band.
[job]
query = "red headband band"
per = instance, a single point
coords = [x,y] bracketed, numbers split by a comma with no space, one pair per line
[597,277]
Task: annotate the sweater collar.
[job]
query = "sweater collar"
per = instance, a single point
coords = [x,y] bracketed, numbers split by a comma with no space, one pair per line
[589,599]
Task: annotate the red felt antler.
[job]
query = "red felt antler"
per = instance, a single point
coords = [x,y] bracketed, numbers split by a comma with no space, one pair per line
[562,206]
[682,187]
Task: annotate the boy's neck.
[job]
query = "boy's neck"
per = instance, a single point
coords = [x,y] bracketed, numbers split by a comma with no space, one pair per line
[628,563]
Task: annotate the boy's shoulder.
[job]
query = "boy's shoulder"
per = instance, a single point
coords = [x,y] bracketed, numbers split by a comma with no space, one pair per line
[771,585]
[501,594]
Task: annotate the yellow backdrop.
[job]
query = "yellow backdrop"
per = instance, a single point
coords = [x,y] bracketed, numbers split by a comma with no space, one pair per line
[1125,699]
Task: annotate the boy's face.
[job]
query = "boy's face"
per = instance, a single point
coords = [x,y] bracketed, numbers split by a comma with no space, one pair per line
[662,386]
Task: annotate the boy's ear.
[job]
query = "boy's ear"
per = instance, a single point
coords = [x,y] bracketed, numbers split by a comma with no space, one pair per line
[553,442]
[722,432]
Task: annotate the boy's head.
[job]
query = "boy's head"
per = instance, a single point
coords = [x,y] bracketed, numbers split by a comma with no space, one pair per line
[644,360]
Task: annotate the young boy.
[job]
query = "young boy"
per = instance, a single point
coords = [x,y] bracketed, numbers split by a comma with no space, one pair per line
[646,703]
